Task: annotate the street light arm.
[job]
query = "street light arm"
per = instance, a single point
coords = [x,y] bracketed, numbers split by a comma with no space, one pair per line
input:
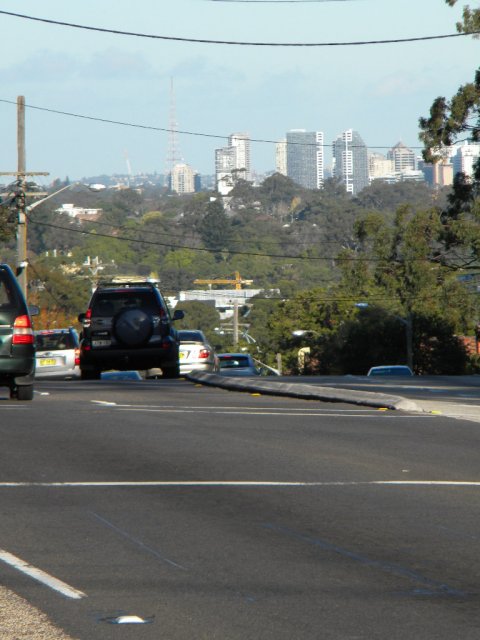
[51,195]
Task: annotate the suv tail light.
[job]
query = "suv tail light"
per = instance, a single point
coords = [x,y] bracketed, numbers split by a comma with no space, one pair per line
[22,331]
[88,318]
[77,357]
[204,353]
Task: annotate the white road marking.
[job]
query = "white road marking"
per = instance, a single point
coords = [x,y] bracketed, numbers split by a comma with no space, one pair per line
[40,576]
[222,407]
[243,483]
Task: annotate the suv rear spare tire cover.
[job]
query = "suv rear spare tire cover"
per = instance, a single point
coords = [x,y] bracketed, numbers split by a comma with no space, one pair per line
[133,327]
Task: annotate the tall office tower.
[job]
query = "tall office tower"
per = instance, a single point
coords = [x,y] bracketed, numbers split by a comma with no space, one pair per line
[232,163]
[403,158]
[305,158]
[350,161]
[464,159]
[182,179]
[281,157]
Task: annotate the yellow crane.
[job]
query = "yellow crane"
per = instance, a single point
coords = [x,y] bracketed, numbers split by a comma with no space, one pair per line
[237,281]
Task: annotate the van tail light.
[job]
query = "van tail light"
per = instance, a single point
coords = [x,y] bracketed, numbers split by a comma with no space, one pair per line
[77,357]
[204,353]
[23,331]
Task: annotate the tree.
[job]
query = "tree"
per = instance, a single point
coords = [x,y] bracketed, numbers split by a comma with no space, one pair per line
[450,119]
[7,224]
[199,315]
[215,228]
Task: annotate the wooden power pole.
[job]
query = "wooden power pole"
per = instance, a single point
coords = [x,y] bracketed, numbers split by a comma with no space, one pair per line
[237,281]
[21,175]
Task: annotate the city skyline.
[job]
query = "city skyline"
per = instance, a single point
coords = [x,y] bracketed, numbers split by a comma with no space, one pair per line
[92,97]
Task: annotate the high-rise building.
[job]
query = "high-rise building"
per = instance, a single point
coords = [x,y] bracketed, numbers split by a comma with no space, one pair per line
[403,158]
[182,179]
[224,166]
[305,158]
[232,163]
[465,158]
[241,143]
[281,157]
[350,161]
[380,167]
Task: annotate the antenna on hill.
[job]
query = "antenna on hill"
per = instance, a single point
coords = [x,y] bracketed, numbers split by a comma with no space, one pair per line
[173,154]
[129,169]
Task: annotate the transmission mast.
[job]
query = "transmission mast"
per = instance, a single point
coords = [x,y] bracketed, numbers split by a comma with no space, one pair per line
[173,153]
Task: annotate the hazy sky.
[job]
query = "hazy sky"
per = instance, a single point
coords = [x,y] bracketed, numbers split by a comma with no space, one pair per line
[380,90]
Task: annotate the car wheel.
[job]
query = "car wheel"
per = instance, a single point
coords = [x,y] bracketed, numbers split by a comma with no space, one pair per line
[24,392]
[90,374]
[133,327]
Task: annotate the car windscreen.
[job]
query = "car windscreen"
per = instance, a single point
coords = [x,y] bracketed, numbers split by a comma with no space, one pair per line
[233,362]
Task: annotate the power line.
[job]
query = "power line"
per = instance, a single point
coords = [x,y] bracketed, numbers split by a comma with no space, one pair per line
[233,42]
[215,250]
[278,1]
[180,131]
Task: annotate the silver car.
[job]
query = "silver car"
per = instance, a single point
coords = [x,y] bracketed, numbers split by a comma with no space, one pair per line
[195,352]
[57,354]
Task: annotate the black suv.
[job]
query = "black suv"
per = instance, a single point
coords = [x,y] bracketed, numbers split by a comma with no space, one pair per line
[128,326]
[17,340]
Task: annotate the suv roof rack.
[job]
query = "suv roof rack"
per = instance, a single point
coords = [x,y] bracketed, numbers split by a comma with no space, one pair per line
[126,283]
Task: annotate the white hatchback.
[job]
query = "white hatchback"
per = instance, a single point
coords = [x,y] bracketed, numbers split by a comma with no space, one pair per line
[57,354]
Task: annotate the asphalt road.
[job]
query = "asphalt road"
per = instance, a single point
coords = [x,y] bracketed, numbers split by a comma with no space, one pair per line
[169,510]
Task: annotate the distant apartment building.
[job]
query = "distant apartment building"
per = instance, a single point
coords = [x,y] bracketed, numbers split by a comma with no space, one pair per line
[182,179]
[439,174]
[465,158]
[403,158]
[350,161]
[305,158]
[281,157]
[380,167]
[232,163]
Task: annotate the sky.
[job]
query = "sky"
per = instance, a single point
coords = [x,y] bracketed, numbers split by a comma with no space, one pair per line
[379,90]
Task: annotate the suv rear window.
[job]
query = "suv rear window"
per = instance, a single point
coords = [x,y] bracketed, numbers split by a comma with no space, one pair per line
[109,304]
[8,298]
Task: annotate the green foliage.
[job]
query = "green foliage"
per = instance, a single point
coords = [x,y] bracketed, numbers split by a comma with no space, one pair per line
[199,315]
[215,228]
[7,224]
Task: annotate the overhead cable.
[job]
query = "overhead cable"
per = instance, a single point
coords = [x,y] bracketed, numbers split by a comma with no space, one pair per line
[215,250]
[236,42]
[183,132]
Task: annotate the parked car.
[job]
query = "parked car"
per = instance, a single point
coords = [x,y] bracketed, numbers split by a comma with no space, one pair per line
[390,370]
[237,364]
[57,354]
[128,326]
[195,352]
[17,340]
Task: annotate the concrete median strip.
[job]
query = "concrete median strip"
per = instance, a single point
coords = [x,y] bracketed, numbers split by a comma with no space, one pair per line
[304,391]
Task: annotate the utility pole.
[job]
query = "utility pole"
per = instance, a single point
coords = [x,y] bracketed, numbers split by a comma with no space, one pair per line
[21,174]
[237,281]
